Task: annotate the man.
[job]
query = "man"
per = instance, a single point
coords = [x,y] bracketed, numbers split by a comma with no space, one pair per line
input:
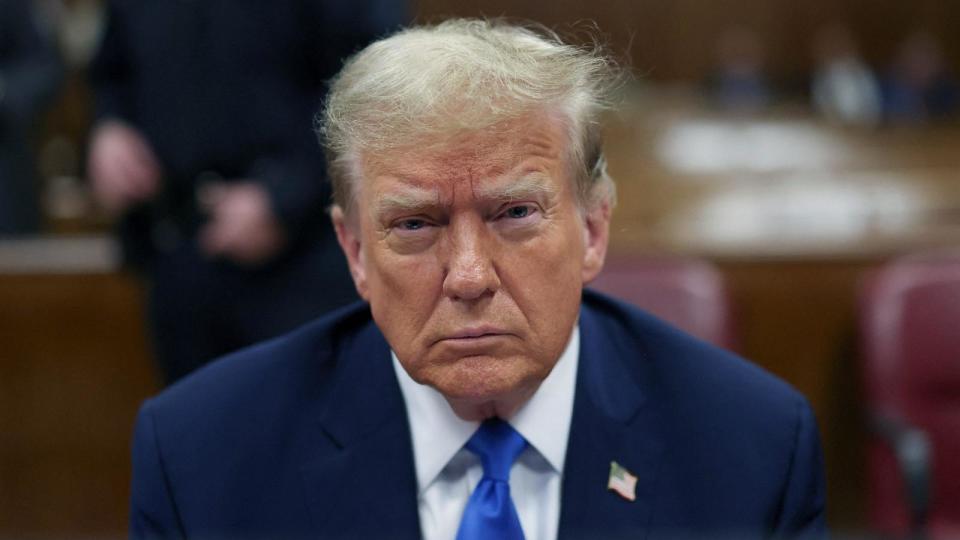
[30,75]
[203,145]
[479,393]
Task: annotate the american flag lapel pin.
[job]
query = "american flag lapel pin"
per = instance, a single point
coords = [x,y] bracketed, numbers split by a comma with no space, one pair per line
[622,481]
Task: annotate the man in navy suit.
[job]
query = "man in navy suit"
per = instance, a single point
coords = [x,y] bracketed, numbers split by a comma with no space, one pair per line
[479,392]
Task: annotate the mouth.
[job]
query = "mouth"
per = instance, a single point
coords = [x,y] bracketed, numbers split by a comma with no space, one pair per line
[474,335]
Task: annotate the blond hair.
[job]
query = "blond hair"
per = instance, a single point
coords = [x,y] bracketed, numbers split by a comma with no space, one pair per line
[429,82]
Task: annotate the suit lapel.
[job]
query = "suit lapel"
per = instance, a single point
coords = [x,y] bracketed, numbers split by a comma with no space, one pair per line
[611,422]
[362,483]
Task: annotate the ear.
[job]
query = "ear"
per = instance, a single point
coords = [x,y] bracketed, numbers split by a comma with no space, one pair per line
[348,235]
[596,226]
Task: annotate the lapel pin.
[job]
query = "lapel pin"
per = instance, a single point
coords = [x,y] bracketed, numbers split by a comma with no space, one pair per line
[621,481]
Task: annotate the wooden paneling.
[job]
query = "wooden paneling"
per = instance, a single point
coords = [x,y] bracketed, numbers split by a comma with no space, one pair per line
[671,40]
[797,319]
[73,370]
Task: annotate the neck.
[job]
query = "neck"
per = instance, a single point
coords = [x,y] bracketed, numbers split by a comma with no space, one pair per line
[504,408]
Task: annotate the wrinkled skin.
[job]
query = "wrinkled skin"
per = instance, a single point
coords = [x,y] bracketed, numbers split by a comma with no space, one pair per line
[472,255]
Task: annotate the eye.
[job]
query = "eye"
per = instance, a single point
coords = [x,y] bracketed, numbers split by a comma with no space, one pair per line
[518,211]
[413,234]
[412,224]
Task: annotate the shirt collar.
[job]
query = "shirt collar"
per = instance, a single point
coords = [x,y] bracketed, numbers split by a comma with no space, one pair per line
[544,421]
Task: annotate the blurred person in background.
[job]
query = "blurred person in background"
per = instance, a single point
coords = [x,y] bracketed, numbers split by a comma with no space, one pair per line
[739,82]
[844,88]
[919,86]
[203,143]
[30,75]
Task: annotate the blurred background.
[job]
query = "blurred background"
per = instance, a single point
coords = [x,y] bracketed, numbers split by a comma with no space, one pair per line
[789,187]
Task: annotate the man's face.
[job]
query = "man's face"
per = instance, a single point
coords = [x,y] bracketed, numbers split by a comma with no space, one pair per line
[472,255]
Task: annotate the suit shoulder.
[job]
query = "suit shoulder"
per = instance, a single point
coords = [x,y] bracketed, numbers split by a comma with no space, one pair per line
[290,365]
[667,360]
[737,435]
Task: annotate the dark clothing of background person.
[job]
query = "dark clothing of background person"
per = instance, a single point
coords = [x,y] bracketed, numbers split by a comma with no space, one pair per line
[223,92]
[30,74]
[936,100]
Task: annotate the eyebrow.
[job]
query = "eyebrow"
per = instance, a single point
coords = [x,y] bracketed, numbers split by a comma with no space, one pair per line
[412,199]
[531,185]
[407,199]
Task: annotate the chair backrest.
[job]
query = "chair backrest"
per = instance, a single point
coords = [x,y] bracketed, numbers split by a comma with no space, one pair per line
[689,293]
[910,348]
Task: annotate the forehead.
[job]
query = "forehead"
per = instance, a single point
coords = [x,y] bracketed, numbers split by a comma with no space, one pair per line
[506,151]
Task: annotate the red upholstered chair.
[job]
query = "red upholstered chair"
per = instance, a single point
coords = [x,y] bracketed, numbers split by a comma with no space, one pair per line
[910,343]
[688,293]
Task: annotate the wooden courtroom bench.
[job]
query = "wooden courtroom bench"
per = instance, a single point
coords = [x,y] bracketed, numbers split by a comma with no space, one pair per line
[73,370]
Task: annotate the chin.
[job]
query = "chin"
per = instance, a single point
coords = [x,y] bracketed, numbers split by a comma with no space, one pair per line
[479,381]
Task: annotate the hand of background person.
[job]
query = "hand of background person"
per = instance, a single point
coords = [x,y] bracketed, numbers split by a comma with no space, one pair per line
[122,167]
[242,226]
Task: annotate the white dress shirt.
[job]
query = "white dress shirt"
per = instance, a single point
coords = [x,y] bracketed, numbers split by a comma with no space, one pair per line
[447,473]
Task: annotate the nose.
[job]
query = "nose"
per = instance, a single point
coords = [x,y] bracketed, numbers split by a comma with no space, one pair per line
[471,273]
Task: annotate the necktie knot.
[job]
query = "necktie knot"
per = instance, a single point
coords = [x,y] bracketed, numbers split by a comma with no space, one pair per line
[498,445]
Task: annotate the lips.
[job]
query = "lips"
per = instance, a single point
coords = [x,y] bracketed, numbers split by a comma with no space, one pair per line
[473,334]
[477,332]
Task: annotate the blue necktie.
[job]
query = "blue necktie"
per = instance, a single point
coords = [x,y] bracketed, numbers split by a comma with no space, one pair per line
[490,512]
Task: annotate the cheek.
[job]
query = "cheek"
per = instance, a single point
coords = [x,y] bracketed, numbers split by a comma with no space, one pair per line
[545,278]
[555,257]
[403,291]
[397,277]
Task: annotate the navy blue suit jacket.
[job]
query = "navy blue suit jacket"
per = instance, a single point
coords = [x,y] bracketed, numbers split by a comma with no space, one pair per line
[307,436]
